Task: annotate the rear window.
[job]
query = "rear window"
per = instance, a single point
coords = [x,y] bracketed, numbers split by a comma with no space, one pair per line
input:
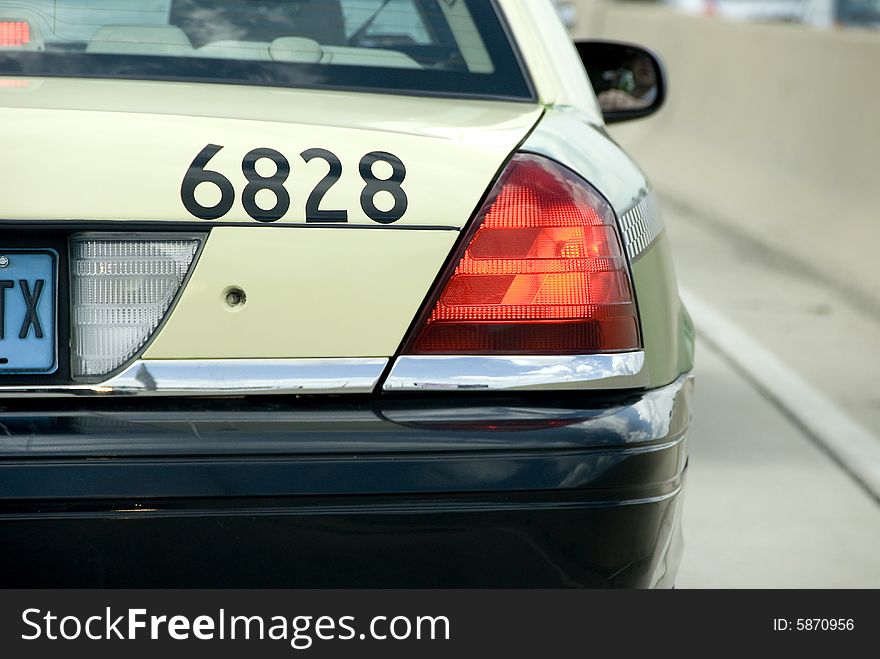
[450,47]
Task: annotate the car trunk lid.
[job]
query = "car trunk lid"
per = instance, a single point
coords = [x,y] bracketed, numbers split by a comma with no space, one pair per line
[114,155]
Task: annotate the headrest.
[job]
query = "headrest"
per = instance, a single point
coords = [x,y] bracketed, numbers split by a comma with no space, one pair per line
[295,49]
[140,40]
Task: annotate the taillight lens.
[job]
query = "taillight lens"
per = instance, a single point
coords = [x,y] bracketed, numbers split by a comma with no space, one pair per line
[543,272]
[121,288]
[14,34]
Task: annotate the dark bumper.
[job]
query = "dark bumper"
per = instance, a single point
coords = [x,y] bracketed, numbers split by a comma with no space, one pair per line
[568,490]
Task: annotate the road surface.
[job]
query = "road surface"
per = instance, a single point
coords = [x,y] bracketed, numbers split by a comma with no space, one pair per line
[765,504]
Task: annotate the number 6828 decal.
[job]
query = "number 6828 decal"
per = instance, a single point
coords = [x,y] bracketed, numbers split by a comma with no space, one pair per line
[198,174]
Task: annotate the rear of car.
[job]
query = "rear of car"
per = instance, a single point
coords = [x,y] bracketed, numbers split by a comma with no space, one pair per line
[327,293]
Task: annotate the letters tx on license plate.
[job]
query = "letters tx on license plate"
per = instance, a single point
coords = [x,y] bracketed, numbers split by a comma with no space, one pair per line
[28,290]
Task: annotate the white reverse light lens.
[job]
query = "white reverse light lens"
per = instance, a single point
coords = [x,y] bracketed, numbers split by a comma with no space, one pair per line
[121,288]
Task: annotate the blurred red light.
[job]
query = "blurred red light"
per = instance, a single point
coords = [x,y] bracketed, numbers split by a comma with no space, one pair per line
[542,273]
[14,34]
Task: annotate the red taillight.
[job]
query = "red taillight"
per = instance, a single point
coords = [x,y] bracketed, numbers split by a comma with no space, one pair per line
[543,272]
[14,33]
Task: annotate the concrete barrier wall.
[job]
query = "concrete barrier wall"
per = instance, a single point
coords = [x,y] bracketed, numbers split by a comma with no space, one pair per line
[771,129]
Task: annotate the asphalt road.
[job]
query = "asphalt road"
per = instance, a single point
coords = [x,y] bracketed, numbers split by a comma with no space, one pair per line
[765,504]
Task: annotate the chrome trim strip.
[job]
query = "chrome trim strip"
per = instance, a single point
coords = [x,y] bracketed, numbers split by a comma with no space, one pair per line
[621,370]
[641,225]
[226,377]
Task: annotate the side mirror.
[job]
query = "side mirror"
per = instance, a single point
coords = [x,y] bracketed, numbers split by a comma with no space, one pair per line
[628,80]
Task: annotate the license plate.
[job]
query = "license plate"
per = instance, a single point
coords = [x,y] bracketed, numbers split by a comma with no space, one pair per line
[28,288]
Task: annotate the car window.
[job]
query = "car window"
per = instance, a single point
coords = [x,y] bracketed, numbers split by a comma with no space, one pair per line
[434,46]
[400,18]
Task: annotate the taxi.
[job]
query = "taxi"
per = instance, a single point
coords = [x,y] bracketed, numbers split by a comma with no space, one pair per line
[332,293]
